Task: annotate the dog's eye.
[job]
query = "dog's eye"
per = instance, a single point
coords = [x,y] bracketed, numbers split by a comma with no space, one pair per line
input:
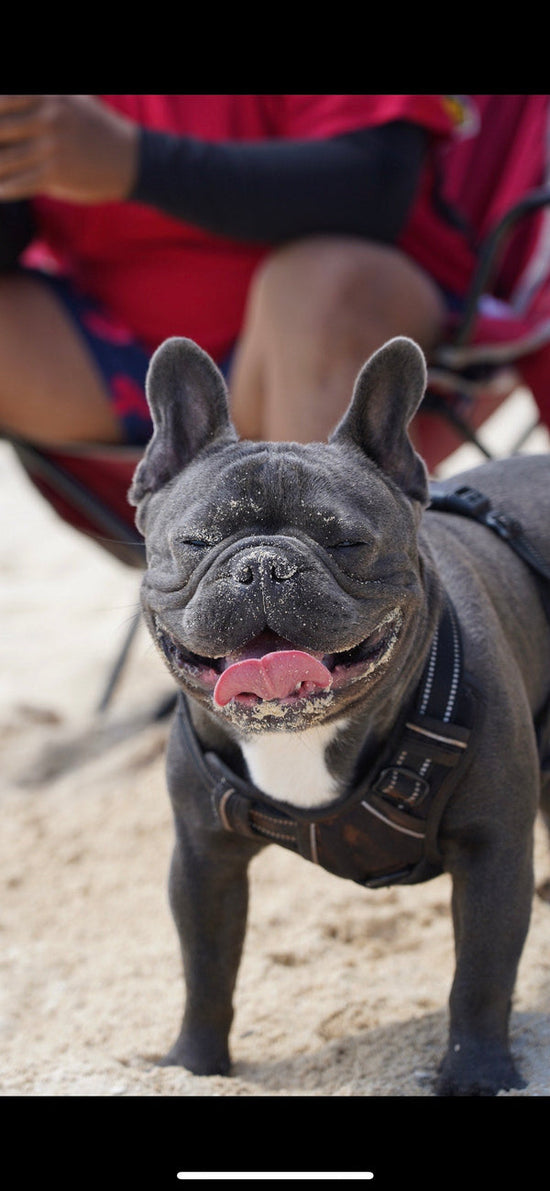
[197,543]
[347,545]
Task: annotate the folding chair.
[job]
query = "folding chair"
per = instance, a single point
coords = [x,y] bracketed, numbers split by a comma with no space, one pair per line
[87,487]
[489,355]
[498,180]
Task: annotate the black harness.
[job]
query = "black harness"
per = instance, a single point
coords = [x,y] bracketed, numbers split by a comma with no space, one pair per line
[468,502]
[384,831]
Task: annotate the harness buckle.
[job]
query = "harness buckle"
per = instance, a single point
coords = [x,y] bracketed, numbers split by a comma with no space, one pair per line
[472,501]
[463,499]
[507,527]
[231,809]
[403,786]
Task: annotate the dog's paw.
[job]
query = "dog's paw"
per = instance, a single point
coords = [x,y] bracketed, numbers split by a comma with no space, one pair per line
[201,1057]
[477,1071]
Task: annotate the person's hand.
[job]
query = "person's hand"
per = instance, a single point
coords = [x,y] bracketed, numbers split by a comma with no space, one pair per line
[70,147]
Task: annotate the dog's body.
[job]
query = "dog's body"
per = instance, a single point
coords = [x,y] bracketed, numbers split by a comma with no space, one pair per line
[295,592]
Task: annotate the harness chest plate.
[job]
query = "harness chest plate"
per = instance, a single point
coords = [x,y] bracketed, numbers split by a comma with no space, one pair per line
[384,830]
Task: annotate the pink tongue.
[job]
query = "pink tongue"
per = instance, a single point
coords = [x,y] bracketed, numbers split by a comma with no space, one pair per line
[275,676]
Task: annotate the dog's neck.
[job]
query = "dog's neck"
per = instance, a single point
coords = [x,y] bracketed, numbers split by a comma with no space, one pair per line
[292,766]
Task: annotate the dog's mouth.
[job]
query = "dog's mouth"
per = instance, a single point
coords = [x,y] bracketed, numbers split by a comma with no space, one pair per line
[269,669]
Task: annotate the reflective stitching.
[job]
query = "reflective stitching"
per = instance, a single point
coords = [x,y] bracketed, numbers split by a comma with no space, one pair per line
[265,829]
[395,770]
[456,670]
[403,830]
[424,768]
[430,675]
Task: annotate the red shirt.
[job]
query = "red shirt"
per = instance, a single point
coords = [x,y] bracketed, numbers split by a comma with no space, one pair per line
[499,154]
[164,277]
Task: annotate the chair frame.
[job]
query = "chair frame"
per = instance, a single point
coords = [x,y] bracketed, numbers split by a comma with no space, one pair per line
[443,406]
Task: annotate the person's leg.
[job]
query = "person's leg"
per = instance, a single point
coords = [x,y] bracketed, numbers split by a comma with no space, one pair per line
[317,309]
[49,389]
[59,382]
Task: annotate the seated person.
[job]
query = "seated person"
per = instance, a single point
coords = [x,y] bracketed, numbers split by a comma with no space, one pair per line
[290,236]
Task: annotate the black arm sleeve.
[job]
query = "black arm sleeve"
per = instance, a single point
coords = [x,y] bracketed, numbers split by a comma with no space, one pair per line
[16,232]
[362,183]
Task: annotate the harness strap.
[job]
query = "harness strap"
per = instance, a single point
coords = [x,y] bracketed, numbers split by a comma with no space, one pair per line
[468,502]
[431,746]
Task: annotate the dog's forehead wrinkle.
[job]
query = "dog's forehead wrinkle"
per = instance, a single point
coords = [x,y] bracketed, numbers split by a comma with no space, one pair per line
[253,489]
[249,482]
[317,494]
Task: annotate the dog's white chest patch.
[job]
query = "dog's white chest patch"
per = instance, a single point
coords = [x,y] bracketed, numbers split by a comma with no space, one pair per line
[291,766]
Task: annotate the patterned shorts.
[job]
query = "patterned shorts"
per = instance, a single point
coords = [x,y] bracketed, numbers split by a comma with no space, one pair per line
[121,359]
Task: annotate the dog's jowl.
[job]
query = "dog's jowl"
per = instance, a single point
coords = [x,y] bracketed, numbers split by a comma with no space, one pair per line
[363,678]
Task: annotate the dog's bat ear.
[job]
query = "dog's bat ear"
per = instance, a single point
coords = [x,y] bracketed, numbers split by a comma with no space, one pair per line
[188,399]
[387,393]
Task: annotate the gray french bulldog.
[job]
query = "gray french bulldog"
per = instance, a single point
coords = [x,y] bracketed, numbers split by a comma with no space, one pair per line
[363,679]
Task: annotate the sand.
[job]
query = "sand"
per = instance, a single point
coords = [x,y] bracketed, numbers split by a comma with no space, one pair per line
[342,992]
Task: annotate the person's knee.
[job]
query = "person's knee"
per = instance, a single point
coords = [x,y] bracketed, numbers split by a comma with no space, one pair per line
[328,286]
[313,276]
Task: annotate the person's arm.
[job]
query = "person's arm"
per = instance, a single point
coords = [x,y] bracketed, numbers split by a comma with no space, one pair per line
[75,148]
[361,183]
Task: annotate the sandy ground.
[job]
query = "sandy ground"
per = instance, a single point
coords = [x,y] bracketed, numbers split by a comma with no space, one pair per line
[342,992]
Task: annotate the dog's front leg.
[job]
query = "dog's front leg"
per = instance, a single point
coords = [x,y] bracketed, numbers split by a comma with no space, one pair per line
[492,895]
[208,889]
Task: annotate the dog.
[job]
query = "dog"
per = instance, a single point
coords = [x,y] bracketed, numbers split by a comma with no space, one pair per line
[364,678]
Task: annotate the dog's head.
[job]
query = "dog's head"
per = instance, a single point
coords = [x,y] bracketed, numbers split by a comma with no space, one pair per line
[283,582]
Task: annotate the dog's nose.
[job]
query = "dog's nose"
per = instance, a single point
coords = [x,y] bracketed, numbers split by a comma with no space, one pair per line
[263,565]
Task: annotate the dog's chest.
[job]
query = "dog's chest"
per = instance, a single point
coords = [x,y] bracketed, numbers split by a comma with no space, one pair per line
[292,766]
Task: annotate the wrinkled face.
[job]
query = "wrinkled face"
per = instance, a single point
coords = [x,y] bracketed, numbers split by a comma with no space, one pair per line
[282,582]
